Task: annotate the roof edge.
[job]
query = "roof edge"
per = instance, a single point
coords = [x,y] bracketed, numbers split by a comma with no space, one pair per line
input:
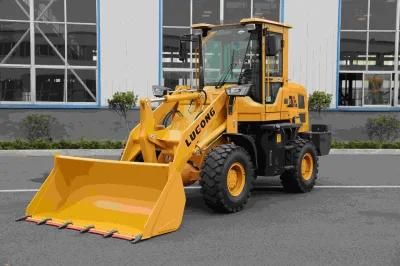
[263,21]
[242,21]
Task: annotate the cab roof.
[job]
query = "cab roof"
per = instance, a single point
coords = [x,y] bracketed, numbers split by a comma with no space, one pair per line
[243,21]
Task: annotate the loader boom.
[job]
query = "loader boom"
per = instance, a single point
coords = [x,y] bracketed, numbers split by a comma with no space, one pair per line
[153,200]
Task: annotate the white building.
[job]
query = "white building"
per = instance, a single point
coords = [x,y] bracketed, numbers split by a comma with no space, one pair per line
[75,54]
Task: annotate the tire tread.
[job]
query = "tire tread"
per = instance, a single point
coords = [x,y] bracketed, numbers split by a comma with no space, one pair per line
[212,183]
[289,179]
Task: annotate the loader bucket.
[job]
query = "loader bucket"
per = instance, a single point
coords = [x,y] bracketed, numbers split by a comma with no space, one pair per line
[121,199]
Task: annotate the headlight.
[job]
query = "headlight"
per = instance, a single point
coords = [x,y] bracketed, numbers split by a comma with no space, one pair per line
[160,91]
[239,90]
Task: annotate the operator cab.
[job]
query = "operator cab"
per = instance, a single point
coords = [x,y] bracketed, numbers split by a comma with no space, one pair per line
[233,54]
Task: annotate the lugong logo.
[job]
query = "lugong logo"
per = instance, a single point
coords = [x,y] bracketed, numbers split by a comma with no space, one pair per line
[203,123]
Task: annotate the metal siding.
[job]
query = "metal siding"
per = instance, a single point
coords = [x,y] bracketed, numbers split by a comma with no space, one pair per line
[130,41]
[160,41]
[338,52]
[313,44]
[98,54]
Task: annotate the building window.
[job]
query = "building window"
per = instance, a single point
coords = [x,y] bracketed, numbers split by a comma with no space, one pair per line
[57,61]
[269,9]
[351,86]
[172,17]
[50,85]
[206,11]
[81,43]
[354,14]
[353,55]
[175,78]
[49,10]
[368,73]
[15,43]
[171,37]
[49,44]
[377,89]
[14,10]
[176,72]
[381,51]
[81,85]
[81,11]
[382,15]
[15,84]
[235,10]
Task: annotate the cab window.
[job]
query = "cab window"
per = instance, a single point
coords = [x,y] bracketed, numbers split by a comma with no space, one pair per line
[274,66]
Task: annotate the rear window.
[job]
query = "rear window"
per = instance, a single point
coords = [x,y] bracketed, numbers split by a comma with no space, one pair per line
[301,102]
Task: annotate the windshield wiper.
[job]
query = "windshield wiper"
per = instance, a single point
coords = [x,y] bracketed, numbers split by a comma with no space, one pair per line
[224,77]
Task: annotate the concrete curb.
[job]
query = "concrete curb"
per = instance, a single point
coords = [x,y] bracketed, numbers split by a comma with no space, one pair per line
[72,152]
[117,152]
[365,151]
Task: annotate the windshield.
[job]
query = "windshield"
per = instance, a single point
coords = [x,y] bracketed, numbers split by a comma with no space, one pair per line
[224,52]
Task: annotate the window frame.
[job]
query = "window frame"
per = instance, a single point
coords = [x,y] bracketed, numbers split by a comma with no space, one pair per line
[394,95]
[64,65]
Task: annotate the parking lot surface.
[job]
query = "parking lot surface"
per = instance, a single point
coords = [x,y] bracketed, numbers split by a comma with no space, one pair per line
[351,218]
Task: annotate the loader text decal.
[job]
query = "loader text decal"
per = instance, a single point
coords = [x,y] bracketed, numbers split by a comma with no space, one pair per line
[203,123]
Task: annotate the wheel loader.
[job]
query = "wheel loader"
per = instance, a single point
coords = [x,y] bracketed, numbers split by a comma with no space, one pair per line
[243,119]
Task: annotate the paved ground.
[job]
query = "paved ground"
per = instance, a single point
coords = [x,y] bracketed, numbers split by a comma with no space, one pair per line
[330,226]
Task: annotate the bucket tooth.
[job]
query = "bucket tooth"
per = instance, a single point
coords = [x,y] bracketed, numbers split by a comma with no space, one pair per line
[86,229]
[136,239]
[110,234]
[23,218]
[64,225]
[43,221]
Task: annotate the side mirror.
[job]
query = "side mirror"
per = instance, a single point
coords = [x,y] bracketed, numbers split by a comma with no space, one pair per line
[274,45]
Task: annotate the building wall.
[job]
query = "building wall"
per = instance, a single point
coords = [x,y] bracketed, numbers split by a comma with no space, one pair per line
[73,124]
[129,47]
[103,124]
[313,43]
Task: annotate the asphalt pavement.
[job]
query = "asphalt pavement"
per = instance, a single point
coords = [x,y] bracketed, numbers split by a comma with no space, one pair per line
[349,219]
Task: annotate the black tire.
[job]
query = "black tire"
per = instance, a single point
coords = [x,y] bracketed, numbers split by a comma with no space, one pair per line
[214,187]
[292,180]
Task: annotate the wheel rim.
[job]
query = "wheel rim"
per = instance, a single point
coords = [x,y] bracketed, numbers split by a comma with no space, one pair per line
[307,166]
[236,179]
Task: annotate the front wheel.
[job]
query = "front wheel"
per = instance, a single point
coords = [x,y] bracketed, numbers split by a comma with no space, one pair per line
[302,177]
[227,178]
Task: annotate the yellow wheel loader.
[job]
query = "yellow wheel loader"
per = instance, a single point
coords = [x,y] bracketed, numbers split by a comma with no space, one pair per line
[242,120]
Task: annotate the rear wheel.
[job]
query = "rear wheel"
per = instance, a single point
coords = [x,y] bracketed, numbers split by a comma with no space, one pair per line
[302,177]
[227,177]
